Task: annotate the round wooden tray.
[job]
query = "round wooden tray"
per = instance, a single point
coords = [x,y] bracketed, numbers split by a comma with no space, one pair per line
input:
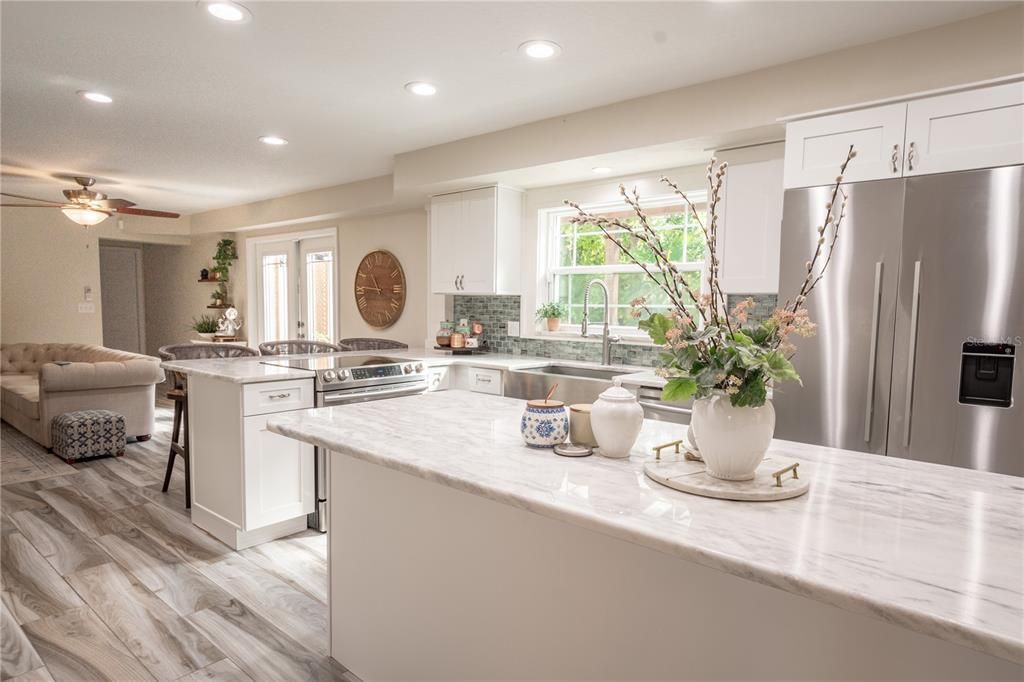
[689,476]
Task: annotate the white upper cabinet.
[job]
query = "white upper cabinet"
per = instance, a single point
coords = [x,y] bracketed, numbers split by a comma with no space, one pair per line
[978,128]
[816,147]
[974,129]
[475,241]
[751,225]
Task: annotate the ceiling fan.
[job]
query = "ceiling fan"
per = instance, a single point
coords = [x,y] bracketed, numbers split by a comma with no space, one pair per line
[87,208]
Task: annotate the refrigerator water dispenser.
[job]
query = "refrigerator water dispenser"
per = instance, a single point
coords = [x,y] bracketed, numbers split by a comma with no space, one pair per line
[986,374]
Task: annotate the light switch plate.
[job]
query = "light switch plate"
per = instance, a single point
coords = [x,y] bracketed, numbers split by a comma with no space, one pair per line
[86,307]
[513,327]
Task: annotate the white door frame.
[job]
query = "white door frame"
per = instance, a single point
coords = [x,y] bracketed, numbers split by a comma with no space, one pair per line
[253,301]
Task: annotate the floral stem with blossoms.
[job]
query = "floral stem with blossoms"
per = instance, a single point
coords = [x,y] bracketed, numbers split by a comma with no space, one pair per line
[720,351]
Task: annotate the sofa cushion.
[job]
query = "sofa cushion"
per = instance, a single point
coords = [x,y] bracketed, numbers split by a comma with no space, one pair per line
[28,358]
[20,392]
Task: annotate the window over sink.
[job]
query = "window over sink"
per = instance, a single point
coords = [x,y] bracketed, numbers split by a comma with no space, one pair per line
[579,253]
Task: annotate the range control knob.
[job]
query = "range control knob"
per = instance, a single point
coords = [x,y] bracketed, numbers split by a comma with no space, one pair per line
[407,369]
[329,376]
[343,374]
[419,366]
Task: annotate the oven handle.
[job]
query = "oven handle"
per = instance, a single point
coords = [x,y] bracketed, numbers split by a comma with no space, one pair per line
[328,397]
[665,408]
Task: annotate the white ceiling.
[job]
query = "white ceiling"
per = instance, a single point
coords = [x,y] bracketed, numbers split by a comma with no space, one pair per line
[192,94]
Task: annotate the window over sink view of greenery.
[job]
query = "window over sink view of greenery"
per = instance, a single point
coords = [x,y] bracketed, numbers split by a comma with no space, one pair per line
[584,254]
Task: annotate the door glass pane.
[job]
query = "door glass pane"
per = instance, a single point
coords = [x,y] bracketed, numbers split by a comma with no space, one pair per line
[275,297]
[320,295]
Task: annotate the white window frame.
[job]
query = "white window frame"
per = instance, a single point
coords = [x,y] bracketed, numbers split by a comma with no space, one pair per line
[548,224]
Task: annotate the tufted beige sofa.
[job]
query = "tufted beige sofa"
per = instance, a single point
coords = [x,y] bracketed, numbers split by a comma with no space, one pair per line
[39,381]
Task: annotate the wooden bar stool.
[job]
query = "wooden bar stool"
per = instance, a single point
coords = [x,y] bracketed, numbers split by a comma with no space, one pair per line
[180,398]
[179,394]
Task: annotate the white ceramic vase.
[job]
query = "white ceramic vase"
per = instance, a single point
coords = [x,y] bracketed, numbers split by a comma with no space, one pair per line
[616,419]
[732,440]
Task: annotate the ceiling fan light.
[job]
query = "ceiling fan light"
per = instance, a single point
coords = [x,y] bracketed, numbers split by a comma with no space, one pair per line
[86,217]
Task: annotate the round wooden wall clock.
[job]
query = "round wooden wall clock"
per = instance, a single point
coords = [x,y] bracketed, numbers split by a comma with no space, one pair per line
[380,289]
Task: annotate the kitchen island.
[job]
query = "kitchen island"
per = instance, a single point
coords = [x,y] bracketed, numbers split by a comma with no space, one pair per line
[456,552]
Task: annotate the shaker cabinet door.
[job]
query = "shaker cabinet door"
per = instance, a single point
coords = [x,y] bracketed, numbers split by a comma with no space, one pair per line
[278,475]
[751,227]
[966,130]
[446,217]
[476,241]
[816,147]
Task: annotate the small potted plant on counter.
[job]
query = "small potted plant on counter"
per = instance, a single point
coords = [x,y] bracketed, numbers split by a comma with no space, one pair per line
[205,326]
[714,355]
[553,313]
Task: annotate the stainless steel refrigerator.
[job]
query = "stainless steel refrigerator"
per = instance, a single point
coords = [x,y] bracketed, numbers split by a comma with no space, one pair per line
[920,321]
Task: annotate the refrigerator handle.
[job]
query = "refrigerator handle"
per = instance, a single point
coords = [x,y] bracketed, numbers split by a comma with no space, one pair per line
[912,353]
[876,303]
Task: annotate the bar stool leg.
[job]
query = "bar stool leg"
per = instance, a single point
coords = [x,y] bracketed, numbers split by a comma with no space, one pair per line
[175,431]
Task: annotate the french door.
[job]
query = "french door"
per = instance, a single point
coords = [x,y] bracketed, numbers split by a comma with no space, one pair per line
[296,289]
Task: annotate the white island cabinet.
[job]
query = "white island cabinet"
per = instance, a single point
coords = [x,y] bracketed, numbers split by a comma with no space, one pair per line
[248,485]
[456,552]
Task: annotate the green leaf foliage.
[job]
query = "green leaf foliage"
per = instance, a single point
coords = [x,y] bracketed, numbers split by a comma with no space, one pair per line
[752,391]
[656,325]
[680,388]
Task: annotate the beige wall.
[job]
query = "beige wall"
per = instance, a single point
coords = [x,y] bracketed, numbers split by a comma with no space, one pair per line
[45,263]
[403,234]
[977,49]
[173,296]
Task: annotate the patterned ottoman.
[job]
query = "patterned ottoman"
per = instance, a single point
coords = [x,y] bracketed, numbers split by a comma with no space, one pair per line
[88,433]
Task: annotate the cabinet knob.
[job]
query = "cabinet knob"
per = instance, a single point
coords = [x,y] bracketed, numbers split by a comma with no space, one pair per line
[911,153]
[895,158]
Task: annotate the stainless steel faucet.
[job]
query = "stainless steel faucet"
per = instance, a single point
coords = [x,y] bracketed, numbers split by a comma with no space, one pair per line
[606,339]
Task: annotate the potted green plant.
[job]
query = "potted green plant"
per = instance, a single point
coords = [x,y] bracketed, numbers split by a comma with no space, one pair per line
[205,326]
[552,312]
[219,297]
[716,356]
[226,255]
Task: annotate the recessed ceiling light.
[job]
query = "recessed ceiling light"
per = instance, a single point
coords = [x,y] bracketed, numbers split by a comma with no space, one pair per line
[228,11]
[98,97]
[421,88]
[601,170]
[540,49]
[273,140]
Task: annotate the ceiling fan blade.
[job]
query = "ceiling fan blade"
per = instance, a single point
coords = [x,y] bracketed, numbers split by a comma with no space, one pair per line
[115,204]
[147,212]
[29,206]
[21,196]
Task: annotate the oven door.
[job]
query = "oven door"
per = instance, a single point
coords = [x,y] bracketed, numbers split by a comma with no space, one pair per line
[318,519]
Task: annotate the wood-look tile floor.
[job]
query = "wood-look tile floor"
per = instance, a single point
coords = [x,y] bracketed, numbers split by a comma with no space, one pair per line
[104,577]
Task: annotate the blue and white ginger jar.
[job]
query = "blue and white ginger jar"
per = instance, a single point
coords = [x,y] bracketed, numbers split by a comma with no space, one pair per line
[545,423]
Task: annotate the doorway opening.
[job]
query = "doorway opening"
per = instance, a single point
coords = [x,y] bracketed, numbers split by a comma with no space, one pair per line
[122,299]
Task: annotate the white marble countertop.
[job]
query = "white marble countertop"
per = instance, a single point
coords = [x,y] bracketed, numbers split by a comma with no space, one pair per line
[935,549]
[254,370]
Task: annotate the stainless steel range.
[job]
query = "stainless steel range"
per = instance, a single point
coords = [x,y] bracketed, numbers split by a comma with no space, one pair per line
[345,379]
